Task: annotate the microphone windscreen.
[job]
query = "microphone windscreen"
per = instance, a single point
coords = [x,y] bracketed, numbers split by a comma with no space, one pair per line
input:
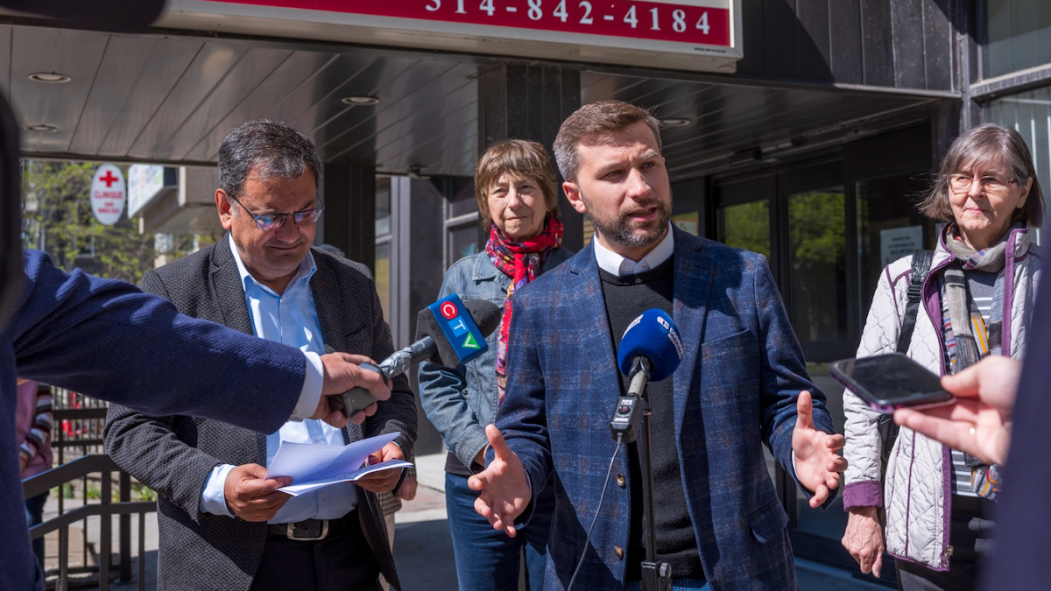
[486,316]
[427,326]
[652,335]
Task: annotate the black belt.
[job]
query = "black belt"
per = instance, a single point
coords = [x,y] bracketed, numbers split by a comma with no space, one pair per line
[311,530]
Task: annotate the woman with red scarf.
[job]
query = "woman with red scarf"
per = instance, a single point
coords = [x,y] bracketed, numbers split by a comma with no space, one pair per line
[517,196]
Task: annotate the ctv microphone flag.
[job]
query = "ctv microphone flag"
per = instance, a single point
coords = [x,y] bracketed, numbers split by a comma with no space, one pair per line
[459,328]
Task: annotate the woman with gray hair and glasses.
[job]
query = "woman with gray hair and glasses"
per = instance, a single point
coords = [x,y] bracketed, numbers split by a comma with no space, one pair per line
[931,509]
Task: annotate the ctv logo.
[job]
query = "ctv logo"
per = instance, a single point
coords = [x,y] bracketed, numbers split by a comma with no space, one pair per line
[449,311]
[458,327]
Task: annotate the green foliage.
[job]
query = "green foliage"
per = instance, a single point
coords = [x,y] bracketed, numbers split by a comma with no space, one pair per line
[141,492]
[59,220]
[816,225]
[747,226]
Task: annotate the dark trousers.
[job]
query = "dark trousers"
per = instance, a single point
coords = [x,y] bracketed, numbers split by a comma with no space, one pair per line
[971,530]
[343,562]
[35,516]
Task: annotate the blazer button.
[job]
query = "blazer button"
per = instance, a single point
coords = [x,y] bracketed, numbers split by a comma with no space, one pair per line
[619,552]
[621,481]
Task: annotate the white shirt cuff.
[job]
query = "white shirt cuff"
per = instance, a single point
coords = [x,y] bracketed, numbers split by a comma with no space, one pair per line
[213,497]
[312,383]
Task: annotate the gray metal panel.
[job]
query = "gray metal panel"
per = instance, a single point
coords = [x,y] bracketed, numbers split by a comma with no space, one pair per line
[908,30]
[165,66]
[265,100]
[938,40]
[76,53]
[6,34]
[209,67]
[250,71]
[727,118]
[419,115]
[122,65]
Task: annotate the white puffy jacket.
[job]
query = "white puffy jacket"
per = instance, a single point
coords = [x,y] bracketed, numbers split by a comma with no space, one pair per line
[917,494]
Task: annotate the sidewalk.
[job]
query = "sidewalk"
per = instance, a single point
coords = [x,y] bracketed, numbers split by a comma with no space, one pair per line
[423,547]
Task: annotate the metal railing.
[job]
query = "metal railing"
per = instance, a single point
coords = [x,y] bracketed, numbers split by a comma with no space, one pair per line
[105,509]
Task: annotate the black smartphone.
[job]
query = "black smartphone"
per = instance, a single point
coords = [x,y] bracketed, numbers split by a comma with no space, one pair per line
[889,382]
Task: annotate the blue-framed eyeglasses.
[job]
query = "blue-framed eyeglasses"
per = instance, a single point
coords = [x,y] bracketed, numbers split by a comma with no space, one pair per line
[273,221]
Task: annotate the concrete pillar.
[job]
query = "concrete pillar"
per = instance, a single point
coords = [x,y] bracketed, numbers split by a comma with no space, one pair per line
[530,102]
[349,221]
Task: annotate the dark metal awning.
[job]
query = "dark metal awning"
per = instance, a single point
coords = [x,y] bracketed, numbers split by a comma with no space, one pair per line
[171,98]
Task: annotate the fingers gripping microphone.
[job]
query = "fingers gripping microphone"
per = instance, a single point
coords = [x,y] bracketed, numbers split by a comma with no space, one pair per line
[650,350]
[449,332]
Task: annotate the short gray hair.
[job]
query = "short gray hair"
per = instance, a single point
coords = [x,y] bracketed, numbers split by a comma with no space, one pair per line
[279,150]
[986,144]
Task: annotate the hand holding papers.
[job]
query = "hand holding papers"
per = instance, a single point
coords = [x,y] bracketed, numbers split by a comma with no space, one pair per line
[316,466]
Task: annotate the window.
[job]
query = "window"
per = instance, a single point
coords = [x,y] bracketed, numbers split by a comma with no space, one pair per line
[1018,36]
[1028,113]
[383,245]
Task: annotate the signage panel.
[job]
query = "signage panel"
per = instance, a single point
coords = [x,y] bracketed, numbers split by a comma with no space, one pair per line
[107,194]
[144,182]
[696,34]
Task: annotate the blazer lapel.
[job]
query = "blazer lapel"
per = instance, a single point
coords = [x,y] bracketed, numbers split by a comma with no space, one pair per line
[584,298]
[228,291]
[331,320]
[693,283]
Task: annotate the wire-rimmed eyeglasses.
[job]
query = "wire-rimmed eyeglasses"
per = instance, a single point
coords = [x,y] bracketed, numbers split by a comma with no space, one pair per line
[273,221]
[961,183]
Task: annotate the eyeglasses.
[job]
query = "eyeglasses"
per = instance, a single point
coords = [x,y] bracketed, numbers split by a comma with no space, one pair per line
[961,183]
[273,221]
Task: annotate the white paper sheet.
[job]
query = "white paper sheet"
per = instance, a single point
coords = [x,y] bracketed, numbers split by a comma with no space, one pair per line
[316,466]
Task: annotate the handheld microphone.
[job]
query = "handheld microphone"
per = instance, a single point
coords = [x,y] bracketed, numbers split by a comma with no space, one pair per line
[650,350]
[449,332]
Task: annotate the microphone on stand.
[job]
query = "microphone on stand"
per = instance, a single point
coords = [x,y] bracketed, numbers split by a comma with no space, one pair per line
[449,332]
[650,350]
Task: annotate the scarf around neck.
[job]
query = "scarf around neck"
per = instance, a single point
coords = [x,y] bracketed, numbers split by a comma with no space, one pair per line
[521,261]
[968,337]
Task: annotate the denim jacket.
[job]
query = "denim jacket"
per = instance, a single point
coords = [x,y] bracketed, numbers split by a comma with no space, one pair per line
[461,402]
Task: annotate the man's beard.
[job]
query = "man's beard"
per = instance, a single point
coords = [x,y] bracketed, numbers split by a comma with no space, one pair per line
[621,231]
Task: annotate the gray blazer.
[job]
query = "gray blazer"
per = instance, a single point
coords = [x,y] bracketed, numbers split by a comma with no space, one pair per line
[174,455]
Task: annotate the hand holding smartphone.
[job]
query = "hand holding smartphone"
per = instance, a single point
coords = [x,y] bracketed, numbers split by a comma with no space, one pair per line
[889,382]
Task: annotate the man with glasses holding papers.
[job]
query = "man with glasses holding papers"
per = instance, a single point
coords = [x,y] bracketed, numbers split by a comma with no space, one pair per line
[224,524]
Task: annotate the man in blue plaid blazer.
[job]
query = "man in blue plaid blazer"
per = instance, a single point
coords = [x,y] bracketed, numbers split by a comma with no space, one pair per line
[719,521]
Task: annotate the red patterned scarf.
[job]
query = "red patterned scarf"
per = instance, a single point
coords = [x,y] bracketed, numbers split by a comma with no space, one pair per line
[521,261]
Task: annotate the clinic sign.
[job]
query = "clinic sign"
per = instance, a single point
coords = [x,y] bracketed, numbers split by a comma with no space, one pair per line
[108,194]
[632,32]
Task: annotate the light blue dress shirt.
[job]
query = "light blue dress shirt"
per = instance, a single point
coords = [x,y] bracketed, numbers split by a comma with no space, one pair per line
[291,319]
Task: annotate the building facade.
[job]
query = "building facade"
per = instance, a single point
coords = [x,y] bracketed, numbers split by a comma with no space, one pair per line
[801,129]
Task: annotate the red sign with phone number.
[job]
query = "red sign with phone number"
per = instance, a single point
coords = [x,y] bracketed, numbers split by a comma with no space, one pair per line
[659,21]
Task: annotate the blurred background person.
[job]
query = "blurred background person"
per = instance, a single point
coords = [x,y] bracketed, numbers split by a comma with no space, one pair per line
[976,301]
[33,425]
[518,197]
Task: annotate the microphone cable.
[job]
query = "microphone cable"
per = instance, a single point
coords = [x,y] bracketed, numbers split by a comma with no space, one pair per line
[598,510]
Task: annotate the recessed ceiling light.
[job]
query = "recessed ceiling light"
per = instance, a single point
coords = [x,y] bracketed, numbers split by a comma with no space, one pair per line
[360,100]
[42,128]
[675,122]
[50,77]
